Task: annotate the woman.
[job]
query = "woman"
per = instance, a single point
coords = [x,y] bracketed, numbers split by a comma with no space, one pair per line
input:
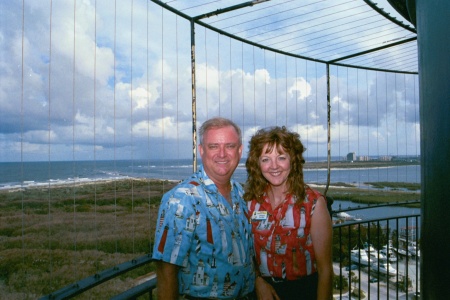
[290,221]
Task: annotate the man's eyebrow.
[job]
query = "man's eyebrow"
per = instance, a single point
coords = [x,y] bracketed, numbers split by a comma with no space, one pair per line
[226,144]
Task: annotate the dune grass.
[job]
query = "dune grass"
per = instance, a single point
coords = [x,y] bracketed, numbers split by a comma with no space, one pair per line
[52,237]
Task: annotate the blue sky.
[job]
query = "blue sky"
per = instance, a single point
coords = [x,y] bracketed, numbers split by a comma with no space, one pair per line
[116,89]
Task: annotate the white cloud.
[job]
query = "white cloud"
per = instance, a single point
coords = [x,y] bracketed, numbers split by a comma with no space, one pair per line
[126,76]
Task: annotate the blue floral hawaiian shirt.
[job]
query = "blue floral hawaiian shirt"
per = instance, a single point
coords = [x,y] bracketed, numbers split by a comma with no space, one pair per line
[198,230]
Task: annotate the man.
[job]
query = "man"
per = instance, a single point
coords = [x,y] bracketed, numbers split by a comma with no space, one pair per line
[203,245]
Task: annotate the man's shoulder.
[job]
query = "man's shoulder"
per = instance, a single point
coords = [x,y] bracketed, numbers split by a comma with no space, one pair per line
[184,186]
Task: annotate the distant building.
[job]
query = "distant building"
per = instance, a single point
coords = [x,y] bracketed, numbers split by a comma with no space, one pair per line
[351,156]
[363,158]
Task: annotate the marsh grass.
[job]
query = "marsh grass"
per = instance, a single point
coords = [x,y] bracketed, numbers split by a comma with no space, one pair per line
[380,194]
[53,237]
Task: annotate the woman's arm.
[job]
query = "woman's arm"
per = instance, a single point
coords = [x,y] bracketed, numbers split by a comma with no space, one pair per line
[322,235]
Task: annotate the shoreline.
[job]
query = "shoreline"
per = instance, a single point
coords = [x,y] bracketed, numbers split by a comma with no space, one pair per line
[107,189]
[358,164]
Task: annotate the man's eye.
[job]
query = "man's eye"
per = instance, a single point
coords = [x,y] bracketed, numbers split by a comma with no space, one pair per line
[212,147]
[231,146]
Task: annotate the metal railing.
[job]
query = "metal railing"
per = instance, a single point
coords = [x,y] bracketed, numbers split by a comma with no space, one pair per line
[375,257]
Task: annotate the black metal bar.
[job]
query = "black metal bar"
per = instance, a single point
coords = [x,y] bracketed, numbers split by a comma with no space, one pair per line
[81,286]
[353,223]
[273,49]
[139,290]
[194,98]
[328,131]
[387,16]
[85,284]
[227,9]
[373,50]
[399,203]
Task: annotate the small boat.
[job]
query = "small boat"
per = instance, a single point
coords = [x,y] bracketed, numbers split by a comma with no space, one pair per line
[359,256]
[388,251]
[384,268]
[346,217]
[374,254]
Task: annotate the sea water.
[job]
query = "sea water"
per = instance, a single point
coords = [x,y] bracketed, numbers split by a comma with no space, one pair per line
[23,174]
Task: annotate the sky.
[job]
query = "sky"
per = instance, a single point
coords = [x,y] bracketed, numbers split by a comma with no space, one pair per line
[94,80]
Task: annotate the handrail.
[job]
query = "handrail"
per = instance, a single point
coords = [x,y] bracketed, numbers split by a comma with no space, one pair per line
[88,283]
[369,206]
[148,286]
[139,290]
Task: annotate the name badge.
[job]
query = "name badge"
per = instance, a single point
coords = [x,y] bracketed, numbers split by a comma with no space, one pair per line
[259,215]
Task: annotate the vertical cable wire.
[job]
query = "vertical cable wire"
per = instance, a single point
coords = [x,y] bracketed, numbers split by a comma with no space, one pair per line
[150,223]
[286,89]
[218,71]
[396,118]
[50,264]
[348,120]
[231,80]
[75,229]
[162,92]
[386,121]
[276,90]
[95,134]
[265,89]
[338,112]
[378,125]
[358,123]
[328,129]
[415,122]
[206,75]
[296,94]
[131,126]
[254,87]
[306,110]
[316,124]
[114,126]
[406,123]
[22,87]
[367,120]
[177,81]
[242,88]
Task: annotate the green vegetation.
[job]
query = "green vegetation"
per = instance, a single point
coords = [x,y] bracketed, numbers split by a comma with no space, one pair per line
[52,237]
[392,192]
[396,185]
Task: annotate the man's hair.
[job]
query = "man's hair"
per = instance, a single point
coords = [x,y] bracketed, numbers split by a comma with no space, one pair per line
[218,122]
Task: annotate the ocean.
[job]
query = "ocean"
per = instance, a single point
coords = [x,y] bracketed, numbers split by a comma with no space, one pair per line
[27,174]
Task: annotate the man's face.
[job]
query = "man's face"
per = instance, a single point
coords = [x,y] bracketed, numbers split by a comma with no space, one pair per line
[221,151]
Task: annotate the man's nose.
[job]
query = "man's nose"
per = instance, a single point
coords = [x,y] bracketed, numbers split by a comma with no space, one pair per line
[222,151]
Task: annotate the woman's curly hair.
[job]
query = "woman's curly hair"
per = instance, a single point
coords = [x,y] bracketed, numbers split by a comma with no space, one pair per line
[286,142]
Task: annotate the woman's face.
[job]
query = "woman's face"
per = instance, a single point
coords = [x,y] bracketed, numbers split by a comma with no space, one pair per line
[275,166]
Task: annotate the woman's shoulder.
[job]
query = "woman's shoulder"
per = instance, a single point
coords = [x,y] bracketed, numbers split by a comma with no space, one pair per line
[312,193]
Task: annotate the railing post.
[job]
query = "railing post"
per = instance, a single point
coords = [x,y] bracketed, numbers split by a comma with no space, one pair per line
[433,36]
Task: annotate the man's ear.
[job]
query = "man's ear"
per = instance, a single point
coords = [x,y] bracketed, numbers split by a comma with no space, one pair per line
[200,149]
